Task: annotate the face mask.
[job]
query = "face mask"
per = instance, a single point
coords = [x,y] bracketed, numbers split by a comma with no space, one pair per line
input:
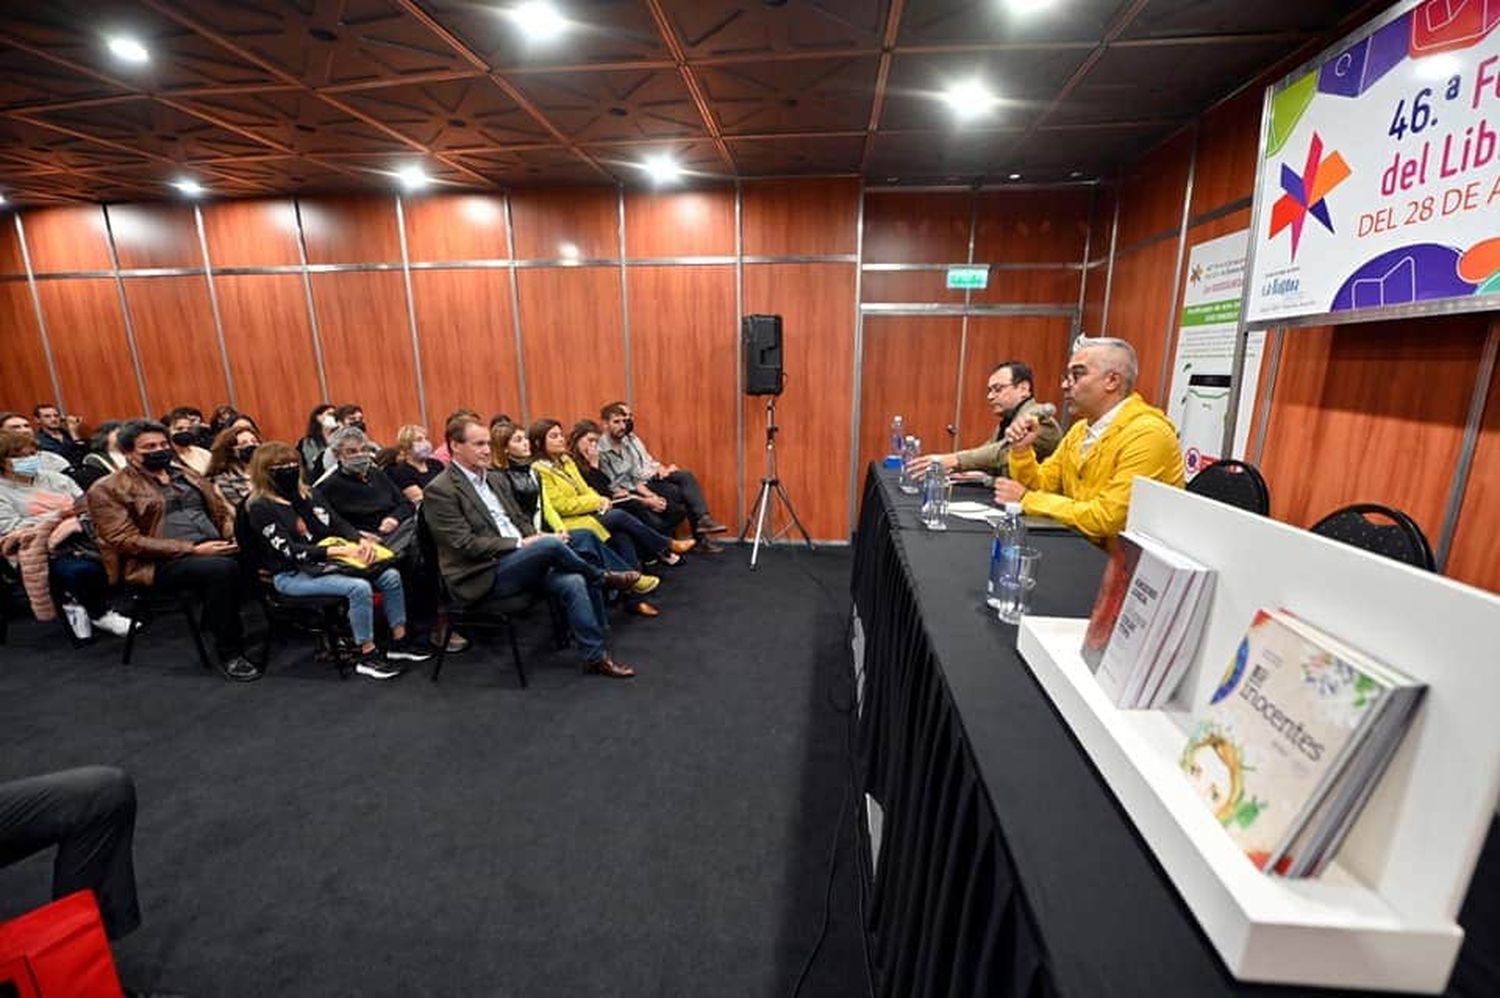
[157,460]
[243,454]
[421,450]
[287,482]
[184,438]
[27,466]
[359,464]
[629,425]
[327,421]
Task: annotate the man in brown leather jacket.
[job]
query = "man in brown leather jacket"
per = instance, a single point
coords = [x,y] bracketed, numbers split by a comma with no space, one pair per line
[162,525]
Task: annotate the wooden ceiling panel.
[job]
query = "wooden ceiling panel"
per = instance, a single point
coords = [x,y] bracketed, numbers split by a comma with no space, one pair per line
[325,42]
[805,95]
[600,32]
[620,104]
[154,129]
[543,165]
[452,114]
[816,155]
[960,22]
[712,28]
[312,96]
[27,79]
[296,122]
[1024,82]
[75,33]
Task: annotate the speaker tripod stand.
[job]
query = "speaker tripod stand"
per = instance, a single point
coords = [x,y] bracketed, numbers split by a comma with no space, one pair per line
[771,491]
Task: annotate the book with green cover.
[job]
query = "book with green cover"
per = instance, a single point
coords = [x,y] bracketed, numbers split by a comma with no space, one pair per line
[1285,726]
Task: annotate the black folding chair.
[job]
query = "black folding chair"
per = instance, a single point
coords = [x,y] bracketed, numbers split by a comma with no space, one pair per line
[1235,483]
[143,604]
[1360,525]
[493,613]
[324,618]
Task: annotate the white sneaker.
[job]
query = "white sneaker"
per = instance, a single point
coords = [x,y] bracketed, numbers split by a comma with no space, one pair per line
[113,623]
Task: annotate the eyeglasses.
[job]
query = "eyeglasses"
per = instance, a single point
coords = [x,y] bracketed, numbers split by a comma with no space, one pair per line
[997,389]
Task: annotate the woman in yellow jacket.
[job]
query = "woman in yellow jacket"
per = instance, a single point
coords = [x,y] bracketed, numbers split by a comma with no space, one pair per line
[568,503]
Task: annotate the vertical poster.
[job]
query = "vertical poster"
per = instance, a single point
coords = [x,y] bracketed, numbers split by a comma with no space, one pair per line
[1203,370]
[1379,189]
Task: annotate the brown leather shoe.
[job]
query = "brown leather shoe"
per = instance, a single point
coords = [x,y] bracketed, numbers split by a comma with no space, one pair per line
[607,666]
[621,580]
[642,609]
[708,525]
[707,545]
[683,546]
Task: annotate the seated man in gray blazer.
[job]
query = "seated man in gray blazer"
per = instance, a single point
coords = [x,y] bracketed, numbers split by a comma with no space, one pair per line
[485,545]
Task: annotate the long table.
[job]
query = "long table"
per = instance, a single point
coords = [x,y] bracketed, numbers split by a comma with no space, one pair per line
[1005,866]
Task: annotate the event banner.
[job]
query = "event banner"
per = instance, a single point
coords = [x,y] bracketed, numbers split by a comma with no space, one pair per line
[1380,185]
[1203,369]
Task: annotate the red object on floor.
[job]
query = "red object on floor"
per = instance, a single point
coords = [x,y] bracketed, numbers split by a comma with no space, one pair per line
[58,951]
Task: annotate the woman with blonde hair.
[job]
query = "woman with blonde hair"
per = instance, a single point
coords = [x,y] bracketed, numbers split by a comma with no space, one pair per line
[309,550]
[414,465]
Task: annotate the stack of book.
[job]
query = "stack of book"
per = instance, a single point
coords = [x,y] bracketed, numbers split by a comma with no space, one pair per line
[1294,741]
[1147,620]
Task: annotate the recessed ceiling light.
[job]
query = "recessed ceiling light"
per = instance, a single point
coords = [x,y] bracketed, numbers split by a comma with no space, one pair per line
[127,49]
[1015,176]
[970,99]
[662,167]
[413,177]
[188,186]
[1024,7]
[539,20]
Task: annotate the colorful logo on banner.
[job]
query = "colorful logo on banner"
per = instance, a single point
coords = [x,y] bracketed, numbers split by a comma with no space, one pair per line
[1433,179]
[1307,194]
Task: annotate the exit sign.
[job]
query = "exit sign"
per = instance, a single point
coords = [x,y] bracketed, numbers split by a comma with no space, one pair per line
[968,278]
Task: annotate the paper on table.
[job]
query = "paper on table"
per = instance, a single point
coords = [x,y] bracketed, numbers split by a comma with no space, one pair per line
[973,511]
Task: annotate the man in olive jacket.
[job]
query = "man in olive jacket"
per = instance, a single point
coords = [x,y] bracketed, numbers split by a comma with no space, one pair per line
[1009,391]
[487,546]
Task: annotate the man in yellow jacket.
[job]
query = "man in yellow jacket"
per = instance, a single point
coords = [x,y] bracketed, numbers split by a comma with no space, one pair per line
[1117,436]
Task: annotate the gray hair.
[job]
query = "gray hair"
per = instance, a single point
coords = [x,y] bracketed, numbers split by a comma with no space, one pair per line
[345,434]
[1119,356]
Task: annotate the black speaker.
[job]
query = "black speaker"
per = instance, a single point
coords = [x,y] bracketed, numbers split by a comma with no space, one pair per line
[760,349]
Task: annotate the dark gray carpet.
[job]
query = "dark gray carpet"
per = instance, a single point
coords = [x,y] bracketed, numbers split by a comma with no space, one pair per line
[310,836]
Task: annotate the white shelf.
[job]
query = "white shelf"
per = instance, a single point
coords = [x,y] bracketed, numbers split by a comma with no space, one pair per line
[1384,916]
[1331,932]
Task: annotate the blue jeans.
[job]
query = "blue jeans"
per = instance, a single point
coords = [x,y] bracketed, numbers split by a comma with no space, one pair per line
[633,538]
[591,549]
[553,566]
[359,594]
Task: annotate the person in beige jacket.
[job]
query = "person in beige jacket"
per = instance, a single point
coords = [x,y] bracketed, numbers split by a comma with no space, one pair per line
[1009,392]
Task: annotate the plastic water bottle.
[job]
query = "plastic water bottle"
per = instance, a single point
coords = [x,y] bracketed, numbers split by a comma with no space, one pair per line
[935,498]
[910,448]
[1010,536]
[898,435]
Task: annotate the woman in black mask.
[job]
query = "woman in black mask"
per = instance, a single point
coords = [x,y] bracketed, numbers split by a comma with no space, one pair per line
[229,463]
[309,550]
[182,430]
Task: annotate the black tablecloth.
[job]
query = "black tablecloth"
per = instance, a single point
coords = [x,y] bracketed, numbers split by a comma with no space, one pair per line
[1006,865]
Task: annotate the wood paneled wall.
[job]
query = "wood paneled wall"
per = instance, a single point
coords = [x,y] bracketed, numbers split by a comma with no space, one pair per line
[1365,413]
[551,303]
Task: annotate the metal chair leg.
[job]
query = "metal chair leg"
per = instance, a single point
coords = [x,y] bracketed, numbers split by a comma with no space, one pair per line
[445,628]
[515,651]
[197,633]
[136,623]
